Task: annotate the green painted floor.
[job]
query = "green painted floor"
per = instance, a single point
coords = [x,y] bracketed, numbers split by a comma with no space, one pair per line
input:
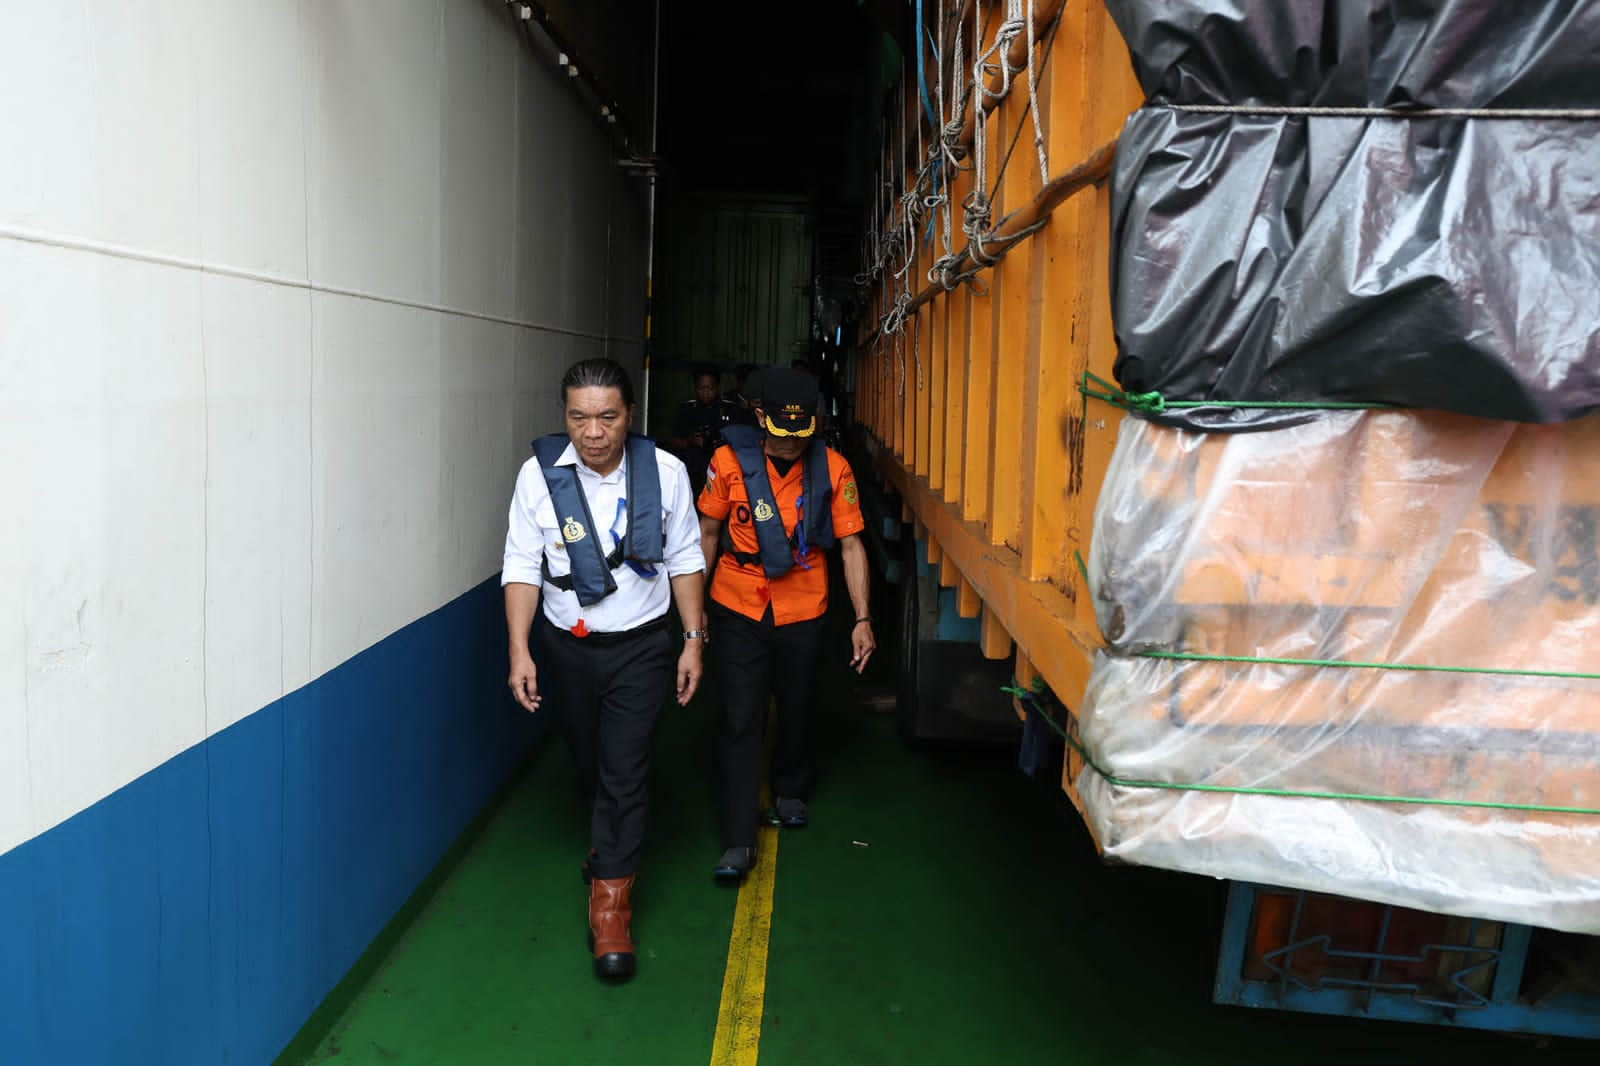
[975,925]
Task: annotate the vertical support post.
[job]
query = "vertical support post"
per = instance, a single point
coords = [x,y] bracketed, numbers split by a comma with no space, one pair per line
[1052,461]
[993,639]
[978,458]
[967,602]
[936,404]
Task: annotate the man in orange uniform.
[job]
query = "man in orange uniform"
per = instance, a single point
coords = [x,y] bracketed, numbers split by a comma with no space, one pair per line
[776,497]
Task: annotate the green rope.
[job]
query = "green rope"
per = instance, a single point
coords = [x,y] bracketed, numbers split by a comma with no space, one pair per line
[1348,664]
[1360,797]
[1014,689]
[1153,403]
[1353,664]
[1146,402]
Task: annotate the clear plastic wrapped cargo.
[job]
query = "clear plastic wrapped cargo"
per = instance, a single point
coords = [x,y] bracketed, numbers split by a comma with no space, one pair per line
[1298,575]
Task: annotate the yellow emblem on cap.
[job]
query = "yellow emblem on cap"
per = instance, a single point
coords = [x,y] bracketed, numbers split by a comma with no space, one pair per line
[572,530]
[763,511]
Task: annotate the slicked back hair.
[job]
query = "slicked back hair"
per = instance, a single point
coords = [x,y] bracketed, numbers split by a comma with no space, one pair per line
[597,374]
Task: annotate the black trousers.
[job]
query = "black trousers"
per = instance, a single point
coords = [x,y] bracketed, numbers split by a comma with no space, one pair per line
[755,661]
[608,690]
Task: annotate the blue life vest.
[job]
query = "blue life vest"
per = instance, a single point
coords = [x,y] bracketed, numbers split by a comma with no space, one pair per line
[780,552]
[642,544]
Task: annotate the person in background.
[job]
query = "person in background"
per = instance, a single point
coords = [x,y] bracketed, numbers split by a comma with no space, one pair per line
[776,498]
[602,529]
[697,426]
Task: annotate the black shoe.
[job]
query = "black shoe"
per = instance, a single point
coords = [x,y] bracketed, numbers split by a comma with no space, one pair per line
[787,812]
[734,864]
[614,966]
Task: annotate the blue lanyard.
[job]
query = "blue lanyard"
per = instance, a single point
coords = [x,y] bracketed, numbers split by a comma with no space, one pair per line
[800,548]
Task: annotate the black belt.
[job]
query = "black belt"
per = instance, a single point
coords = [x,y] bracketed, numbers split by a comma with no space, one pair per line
[619,636]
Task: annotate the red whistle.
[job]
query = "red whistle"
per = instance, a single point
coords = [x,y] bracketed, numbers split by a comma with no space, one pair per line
[580,630]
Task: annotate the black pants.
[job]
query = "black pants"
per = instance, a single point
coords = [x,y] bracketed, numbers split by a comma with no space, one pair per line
[755,660]
[608,692]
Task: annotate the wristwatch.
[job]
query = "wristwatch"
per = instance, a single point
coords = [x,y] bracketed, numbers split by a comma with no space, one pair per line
[695,634]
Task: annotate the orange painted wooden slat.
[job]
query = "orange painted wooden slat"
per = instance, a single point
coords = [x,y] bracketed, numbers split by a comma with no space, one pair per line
[936,404]
[993,639]
[1110,99]
[1017,289]
[1052,463]
[1024,675]
[956,352]
[952,351]
[933,314]
[967,602]
[916,331]
[977,419]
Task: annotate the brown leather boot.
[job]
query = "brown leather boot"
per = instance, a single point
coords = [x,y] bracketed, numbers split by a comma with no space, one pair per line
[610,926]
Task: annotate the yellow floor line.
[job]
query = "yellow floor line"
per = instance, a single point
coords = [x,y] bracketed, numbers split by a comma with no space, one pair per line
[744,982]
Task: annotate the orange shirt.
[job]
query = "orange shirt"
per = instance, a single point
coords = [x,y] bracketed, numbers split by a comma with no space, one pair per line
[800,594]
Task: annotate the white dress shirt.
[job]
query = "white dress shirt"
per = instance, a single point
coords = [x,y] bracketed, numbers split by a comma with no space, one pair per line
[533,535]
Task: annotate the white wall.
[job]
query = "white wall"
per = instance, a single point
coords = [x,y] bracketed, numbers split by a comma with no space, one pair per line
[289,287]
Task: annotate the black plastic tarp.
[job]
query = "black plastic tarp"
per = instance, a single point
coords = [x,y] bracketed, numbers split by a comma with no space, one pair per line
[1442,262]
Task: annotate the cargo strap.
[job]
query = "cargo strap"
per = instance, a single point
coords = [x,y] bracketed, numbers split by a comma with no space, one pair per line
[1034,700]
[1406,114]
[1034,704]
[1153,403]
[1348,664]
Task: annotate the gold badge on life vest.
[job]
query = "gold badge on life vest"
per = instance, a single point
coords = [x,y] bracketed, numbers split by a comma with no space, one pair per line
[763,511]
[572,530]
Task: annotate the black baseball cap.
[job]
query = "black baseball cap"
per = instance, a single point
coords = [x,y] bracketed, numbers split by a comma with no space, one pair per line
[789,398]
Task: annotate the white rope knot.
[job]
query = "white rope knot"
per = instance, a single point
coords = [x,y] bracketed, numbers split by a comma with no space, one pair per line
[894,320]
[911,204]
[980,253]
[986,66]
[950,136]
[976,210]
[1010,30]
[944,273]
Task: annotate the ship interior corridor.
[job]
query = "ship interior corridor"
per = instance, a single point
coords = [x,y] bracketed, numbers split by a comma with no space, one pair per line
[941,907]
[294,285]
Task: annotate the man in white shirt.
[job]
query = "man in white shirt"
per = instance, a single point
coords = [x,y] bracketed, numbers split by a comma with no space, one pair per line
[604,526]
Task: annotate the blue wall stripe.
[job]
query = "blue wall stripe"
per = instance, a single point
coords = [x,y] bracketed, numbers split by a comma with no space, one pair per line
[201,913]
